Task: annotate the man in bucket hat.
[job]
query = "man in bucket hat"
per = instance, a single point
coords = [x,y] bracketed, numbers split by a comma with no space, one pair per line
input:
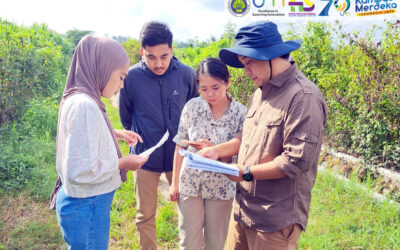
[279,146]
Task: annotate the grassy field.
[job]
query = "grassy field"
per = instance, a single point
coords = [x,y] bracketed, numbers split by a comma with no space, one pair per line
[342,216]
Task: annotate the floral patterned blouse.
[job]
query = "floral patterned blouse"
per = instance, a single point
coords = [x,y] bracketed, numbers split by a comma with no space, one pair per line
[197,122]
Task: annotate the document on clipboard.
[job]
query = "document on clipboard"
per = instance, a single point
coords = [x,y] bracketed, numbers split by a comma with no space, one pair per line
[159,144]
[196,161]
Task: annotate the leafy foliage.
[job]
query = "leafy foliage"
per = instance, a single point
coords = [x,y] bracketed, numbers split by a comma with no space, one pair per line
[132,47]
[32,63]
[75,35]
[28,150]
[360,78]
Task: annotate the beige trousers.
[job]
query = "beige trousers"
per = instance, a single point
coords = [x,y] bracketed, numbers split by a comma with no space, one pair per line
[203,220]
[241,237]
[146,191]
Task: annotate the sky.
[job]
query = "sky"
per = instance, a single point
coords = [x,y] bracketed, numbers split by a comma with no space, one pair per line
[188,19]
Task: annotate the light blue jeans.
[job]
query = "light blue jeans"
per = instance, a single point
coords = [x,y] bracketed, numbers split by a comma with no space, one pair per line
[84,222]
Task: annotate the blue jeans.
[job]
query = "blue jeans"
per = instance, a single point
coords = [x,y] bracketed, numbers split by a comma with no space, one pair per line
[84,222]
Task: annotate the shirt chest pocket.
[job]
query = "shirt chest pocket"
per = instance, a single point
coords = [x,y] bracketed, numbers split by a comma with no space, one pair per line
[248,125]
[259,133]
[271,133]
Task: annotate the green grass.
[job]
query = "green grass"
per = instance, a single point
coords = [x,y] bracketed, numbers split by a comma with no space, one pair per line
[167,225]
[343,216]
[27,223]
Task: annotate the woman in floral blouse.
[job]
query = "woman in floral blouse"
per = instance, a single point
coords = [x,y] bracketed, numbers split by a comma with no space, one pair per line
[205,198]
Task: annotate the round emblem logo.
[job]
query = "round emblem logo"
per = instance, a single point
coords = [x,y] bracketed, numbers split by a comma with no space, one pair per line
[239,7]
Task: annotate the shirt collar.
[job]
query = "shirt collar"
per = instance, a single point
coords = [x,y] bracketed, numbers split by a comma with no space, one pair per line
[282,78]
[206,106]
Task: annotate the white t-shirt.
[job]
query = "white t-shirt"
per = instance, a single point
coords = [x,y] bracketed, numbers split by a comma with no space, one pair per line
[87,160]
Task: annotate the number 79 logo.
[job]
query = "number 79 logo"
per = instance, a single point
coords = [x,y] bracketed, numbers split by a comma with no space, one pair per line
[342,7]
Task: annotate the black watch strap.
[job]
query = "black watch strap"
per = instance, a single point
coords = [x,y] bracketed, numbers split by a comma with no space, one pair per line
[247,175]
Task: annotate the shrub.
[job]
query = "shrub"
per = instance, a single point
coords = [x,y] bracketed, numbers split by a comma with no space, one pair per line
[132,47]
[27,160]
[33,62]
[360,79]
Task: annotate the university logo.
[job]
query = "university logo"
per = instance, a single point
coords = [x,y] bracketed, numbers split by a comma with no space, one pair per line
[342,6]
[239,8]
[258,3]
[270,10]
[298,8]
[375,7]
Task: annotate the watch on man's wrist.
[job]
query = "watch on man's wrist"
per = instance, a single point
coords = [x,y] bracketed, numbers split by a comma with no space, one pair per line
[247,175]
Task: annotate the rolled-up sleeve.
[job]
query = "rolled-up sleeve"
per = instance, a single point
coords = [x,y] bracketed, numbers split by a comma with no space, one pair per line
[303,134]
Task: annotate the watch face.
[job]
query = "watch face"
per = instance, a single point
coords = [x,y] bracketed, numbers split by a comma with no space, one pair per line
[247,177]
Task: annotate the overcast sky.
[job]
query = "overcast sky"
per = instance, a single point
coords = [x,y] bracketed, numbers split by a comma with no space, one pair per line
[186,18]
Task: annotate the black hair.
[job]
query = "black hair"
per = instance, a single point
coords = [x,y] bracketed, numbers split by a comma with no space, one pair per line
[154,33]
[285,56]
[213,67]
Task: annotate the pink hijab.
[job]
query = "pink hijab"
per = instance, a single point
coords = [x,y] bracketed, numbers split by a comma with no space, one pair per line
[94,60]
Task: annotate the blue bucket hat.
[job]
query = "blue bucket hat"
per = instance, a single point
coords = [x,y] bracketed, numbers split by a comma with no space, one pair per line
[258,40]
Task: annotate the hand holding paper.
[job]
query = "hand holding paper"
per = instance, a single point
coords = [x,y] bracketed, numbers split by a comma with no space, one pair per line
[197,162]
[198,145]
[159,144]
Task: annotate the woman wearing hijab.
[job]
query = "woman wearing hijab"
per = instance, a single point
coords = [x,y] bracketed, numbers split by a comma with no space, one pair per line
[88,159]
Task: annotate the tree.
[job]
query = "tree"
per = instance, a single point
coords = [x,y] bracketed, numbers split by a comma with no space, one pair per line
[74,36]
[132,47]
[229,33]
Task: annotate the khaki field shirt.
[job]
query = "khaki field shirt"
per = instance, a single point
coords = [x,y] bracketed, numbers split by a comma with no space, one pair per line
[284,124]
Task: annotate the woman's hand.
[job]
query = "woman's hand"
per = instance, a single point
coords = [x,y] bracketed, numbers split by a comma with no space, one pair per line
[199,144]
[209,152]
[130,137]
[174,192]
[132,162]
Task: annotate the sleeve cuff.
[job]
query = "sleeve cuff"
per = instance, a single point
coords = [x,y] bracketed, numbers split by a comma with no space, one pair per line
[178,141]
[289,169]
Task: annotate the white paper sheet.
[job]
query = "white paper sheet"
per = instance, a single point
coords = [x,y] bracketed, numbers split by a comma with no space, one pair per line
[159,144]
[197,162]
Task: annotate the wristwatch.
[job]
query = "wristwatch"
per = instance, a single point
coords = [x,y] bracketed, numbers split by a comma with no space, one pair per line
[247,175]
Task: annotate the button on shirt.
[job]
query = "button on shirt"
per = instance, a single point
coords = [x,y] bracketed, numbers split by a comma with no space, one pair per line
[197,122]
[284,125]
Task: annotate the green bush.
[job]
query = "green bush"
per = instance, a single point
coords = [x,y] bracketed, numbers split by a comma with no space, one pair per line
[132,47]
[360,79]
[27,160]
[33,62]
